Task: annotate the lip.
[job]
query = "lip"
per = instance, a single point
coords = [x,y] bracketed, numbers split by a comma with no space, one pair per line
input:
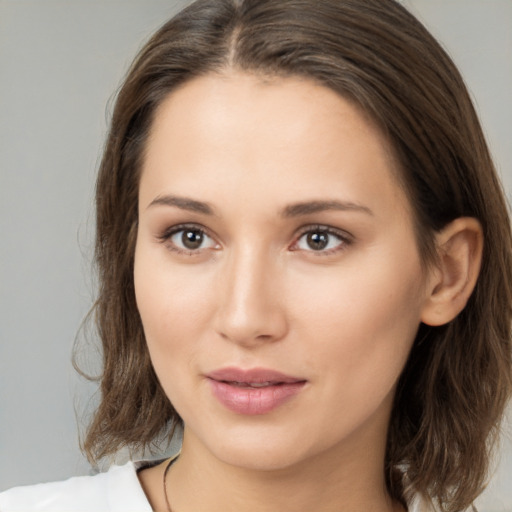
[233,389]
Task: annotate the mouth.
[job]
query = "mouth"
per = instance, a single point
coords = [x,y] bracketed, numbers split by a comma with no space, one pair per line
[252,384]
[255,391]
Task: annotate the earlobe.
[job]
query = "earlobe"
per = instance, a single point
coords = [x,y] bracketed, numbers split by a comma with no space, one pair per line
[451,282]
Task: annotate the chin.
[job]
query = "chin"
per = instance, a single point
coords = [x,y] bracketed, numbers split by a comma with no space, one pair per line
[261,458]
[259,448]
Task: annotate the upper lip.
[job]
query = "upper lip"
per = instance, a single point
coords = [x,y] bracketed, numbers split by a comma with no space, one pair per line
[253,375]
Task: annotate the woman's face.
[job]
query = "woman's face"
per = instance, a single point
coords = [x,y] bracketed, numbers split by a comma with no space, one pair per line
[276,270]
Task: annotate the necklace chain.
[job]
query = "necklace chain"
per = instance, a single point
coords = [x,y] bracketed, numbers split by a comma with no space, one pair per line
[170,463]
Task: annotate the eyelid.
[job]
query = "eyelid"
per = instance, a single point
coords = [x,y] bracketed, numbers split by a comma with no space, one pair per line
[345,238]
[169,232]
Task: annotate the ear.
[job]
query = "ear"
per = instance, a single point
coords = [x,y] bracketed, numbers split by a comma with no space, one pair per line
[451,282]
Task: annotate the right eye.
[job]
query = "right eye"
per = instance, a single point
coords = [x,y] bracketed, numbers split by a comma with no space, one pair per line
[188,239]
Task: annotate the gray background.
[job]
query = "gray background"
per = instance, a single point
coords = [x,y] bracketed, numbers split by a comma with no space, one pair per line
[60,62]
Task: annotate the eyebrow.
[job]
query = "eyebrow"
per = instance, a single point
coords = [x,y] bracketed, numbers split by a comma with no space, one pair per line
[184,203]
[306,208]
[292,210]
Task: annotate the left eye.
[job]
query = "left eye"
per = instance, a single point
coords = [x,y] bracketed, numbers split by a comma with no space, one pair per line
[191,239]
[320,240]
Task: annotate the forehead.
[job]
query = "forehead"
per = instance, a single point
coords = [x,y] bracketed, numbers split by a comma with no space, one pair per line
[248,132]
[215,100]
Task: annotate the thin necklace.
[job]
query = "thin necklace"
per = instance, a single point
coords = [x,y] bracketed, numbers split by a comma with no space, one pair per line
[171,462]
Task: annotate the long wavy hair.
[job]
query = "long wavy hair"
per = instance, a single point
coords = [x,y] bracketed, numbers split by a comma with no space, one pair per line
[452,393]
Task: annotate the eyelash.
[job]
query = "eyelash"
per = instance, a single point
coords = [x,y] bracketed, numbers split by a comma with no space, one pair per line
[343,237]
[166,236]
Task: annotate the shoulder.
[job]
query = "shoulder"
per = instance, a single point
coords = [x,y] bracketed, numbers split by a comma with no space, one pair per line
[117,490]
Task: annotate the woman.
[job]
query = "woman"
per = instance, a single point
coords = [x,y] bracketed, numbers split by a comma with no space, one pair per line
[304,258]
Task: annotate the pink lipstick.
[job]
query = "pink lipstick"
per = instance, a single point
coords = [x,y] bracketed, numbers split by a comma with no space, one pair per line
[255,391]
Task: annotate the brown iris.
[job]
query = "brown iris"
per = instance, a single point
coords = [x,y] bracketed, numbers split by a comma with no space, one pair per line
[192,239]
[317,240]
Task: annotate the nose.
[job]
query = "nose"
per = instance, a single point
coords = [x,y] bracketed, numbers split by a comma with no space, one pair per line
[251,308]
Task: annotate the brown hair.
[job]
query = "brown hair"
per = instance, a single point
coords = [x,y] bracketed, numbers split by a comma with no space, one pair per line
[452,393]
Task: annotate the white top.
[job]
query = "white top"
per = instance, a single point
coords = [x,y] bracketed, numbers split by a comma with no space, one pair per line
[117,490]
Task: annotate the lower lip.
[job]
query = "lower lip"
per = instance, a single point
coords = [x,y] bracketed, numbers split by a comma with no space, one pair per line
[252,401]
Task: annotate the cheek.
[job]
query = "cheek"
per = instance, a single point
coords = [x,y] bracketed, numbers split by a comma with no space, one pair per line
[172,304]
[363,319]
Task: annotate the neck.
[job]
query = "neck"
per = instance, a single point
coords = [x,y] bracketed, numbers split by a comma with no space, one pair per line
[324,483]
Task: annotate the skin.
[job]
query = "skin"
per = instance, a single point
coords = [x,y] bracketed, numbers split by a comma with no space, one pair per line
[256,293]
